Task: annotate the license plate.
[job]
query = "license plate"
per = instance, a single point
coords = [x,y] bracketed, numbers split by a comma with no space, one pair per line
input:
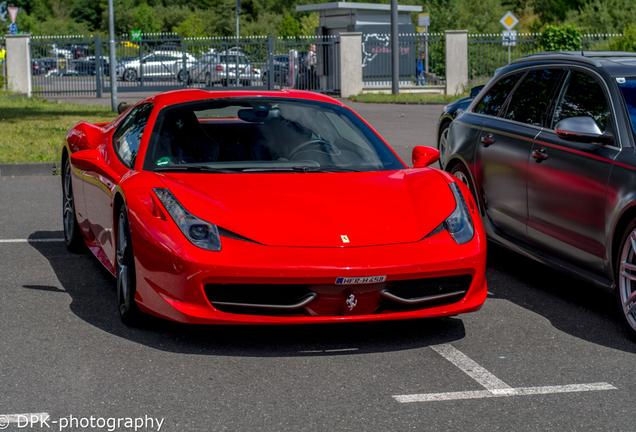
[360,280]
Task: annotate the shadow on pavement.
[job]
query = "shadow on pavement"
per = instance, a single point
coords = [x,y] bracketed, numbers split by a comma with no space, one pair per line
[92,290]
[572,306]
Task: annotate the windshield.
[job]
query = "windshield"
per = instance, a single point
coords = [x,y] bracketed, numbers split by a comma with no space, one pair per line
[628,87]
[257,134]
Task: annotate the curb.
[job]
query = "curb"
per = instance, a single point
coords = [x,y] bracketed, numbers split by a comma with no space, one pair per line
[29,169]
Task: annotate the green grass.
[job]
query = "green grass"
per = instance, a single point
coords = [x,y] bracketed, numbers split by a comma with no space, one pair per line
[405,97]
[33,130]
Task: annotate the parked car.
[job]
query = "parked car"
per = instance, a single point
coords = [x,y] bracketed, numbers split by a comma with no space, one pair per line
[88,66]
[38,67]
[235,64]
[548,151]
[158,64]
[268,208]
[281,70]
[449,112]
[206,70]
[61,52]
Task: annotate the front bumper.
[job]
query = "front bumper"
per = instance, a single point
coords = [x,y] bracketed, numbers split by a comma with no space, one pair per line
[171,281]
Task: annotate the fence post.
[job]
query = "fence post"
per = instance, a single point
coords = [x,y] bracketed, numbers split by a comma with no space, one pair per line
[350,64]
[99,68]
[456,61]
[270,64]
[18,60]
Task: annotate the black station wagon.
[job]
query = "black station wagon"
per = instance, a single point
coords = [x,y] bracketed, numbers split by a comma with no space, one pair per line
[548,148]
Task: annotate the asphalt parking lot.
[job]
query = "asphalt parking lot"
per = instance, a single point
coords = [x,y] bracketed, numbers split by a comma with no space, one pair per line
[546,352]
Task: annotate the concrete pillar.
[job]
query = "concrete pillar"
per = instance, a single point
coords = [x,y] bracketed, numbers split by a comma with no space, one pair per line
[18,63]
[350,64]
[456,61]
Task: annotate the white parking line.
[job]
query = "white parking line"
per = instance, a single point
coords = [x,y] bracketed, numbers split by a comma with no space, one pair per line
[46,240]
[494,386]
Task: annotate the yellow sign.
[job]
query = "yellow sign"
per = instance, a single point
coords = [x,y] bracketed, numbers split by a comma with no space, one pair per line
[509,20]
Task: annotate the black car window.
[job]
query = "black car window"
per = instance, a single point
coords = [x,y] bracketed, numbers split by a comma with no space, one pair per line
[128,136]
[493,100]
[583,97]
[530,101]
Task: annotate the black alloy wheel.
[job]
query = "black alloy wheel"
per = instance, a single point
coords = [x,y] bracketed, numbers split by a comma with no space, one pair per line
[125,269]
[625,277]
[72,235]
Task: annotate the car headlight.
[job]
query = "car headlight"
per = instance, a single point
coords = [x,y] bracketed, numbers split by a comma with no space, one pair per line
[199,232]
[459,224]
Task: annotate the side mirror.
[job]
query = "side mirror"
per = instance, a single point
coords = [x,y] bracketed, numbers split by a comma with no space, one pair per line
[582,129]
[92,160]
[475,91]
[424,156]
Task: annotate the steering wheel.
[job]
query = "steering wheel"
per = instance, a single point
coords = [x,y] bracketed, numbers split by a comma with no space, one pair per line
[317,141]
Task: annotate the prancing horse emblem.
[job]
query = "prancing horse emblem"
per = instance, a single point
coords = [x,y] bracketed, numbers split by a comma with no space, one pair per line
[352,302]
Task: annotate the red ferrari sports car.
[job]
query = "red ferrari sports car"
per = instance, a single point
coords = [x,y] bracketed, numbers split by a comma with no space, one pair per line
[279,207]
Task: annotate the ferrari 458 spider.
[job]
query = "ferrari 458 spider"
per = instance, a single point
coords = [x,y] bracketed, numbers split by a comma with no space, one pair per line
[279,207]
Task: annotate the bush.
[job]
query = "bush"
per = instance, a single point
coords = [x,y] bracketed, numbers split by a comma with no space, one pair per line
[564,38]
[627,42]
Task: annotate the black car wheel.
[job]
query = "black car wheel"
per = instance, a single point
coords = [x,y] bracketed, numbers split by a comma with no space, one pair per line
[125,268]
[130,75]
[626,278]
[461,172]
[442,143]
[72,235]
[208,80]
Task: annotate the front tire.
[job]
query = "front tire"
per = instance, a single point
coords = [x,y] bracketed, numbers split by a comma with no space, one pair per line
[461,172]
[72,235]
[626,278]
[125,267]
[129,75]
[442,143]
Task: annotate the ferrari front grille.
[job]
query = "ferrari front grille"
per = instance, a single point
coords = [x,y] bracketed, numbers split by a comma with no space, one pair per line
[286,297]
[425,290]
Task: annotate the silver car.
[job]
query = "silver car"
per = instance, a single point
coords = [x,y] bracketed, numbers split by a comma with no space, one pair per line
[158,64]
[206,70]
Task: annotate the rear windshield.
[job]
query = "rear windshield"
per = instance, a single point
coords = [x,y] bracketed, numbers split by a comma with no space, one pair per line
[258,134]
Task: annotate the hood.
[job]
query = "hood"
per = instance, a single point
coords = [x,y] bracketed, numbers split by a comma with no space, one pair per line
[317,209]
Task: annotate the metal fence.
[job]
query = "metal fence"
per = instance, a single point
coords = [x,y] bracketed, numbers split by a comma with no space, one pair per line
[489,52]
[422,59]
[160,62]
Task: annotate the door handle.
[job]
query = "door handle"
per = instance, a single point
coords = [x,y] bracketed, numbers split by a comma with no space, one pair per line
[540,155]
[487,140]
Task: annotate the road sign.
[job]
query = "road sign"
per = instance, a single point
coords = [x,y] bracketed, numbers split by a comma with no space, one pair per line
[509,20]
[135,34]
[13,12]
[423,20]
[509,37]
[13,29]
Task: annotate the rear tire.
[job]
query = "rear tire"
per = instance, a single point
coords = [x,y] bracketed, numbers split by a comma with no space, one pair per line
[208,80]
[72,235]
[129,312]
[625,277]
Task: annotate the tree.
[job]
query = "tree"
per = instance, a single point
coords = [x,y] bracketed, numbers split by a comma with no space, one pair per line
[145,19]
[289,27]
[191,27]
[564,38]
[308,24]
[627,42]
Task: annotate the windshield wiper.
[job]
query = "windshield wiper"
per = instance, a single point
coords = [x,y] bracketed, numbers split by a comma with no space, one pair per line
[195,168]
[303,169]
